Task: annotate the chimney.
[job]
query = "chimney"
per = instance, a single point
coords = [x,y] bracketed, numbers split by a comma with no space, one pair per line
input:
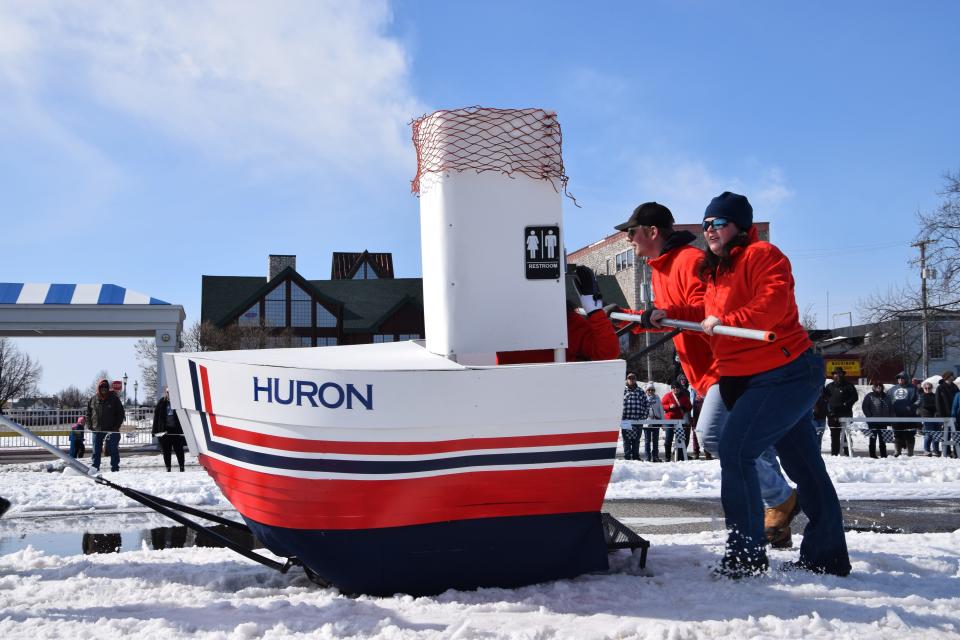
[278,264]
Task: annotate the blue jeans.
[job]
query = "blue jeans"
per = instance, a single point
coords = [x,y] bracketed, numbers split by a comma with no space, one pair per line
[113,449]
[77,448]
[651,435]
[774,489]
[931,443]
[776,409]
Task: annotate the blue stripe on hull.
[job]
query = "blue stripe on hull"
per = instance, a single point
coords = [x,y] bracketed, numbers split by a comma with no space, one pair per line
[428,559]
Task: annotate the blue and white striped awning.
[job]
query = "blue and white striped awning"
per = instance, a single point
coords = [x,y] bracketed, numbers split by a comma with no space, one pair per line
[46,293]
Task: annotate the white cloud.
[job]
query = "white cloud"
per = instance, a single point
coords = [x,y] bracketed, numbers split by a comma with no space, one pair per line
[687,187]
[303,84]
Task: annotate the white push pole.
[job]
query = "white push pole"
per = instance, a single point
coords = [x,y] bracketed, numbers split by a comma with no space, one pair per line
[720,330]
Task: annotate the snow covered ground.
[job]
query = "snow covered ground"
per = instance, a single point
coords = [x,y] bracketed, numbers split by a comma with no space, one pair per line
[903,586]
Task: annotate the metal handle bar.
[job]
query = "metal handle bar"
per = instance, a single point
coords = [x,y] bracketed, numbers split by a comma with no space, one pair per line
[720,330]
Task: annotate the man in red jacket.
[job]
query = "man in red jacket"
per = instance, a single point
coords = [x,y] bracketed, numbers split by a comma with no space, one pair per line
[674,264]
[590,338]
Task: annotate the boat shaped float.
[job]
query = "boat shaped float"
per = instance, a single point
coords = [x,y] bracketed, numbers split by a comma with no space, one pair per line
[386,468]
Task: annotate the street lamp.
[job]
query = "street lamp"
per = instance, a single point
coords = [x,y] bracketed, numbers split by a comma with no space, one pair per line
[135,384]
[124,388]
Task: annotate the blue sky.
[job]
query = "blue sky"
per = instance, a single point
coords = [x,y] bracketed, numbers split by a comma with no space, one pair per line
[145,144]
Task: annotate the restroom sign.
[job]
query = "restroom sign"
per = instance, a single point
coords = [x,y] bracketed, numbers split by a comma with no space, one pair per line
[541,251]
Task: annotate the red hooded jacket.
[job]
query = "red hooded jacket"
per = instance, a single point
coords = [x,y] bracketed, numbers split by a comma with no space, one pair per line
[756,292]
[675,282]
[590,338]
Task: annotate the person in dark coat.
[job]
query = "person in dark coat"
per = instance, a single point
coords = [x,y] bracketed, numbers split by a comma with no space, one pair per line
[166,425]
[946,391]
[104,417]
[876,404]
[903,398]
[77,448]
[927,408]
[841,396]
[820,417]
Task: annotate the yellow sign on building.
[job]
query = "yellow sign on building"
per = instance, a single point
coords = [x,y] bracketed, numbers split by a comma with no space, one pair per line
[850,366]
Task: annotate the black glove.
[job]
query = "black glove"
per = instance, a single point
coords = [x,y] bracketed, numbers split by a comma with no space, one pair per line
[645,318]
[586,284]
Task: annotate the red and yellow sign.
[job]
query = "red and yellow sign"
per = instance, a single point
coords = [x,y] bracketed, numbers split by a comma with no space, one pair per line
[850,366]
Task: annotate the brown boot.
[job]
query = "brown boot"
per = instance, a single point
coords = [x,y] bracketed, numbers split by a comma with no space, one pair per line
[776,522]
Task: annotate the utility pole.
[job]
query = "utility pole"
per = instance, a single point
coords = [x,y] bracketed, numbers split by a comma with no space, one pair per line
[924,353]
[645,294]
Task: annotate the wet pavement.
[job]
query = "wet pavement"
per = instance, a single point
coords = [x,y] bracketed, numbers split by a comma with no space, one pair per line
[695,515]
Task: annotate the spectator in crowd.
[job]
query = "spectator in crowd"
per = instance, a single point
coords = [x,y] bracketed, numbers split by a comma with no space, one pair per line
[104,417]
[946,395]
[820,417]
[77,448]
[841,396]
[927,408]
[634,410]
[877,404]
[676,406]
[903,397]
[651,432]
[769,390]
[166,426]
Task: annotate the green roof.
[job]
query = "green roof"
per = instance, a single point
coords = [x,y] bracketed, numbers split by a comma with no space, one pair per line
[366,303]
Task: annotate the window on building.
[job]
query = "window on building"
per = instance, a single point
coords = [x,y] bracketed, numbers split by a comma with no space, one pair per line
[383,337]
[326,342]
[324,317]
[408,336]
[623,260]
[935,346]
[300,303]
[608,267]
[365,272]
[275,307]
[250,317]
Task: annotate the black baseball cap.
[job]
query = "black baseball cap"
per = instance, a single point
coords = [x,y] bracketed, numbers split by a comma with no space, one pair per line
[648,214]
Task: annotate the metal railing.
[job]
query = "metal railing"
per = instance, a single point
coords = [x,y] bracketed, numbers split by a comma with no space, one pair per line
[54,426]
[679,437]
[947,436]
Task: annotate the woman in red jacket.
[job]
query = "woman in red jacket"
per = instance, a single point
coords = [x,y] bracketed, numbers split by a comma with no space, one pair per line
[676,405]
[770,389]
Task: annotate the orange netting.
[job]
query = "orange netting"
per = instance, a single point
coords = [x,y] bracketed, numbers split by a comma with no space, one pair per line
[526,141]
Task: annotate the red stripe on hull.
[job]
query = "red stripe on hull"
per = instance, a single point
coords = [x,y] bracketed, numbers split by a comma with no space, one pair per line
[306,503]
[284,443]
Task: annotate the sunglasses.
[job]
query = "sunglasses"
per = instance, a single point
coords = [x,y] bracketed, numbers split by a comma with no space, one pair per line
[632,232]
[716,223]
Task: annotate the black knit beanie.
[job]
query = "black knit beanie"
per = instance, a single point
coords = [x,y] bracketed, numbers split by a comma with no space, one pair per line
[733,207]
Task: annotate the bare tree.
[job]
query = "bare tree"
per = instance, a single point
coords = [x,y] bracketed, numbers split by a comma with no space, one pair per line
[941,229]
[19,373]
[209,337]
[147,360]
[70,398]
[808,319]
[898,311]
[91,389]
